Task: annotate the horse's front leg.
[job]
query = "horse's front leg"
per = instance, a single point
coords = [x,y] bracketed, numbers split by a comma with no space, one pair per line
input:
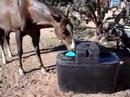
[19,38]
[35,40]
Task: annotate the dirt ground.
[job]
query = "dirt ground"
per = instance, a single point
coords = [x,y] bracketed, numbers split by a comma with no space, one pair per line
[36,84]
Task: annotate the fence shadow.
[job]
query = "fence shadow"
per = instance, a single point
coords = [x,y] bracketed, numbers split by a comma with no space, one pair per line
[42,51]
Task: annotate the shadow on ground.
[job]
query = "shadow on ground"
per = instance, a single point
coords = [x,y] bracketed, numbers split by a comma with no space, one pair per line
[42,51]
[28,54]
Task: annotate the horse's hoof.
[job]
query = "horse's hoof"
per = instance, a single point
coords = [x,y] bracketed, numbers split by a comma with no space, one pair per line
[4,61]
[43,71]
[10,55]
[21,72]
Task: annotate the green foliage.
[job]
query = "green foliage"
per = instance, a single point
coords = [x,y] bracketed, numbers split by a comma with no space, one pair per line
[51,0]
[59,2]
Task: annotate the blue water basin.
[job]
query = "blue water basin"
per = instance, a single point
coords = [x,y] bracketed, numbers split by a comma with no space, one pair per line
[70,54]
[108,58]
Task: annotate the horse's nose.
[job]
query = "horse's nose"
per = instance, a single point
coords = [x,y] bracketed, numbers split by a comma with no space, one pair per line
[73,44]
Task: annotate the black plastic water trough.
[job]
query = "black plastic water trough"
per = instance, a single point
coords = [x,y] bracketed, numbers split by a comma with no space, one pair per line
[88,71]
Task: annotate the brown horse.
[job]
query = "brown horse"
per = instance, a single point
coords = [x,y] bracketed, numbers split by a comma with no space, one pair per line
[28,17]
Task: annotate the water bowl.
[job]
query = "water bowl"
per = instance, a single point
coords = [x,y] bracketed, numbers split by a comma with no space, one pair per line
[108,58]
[70,54]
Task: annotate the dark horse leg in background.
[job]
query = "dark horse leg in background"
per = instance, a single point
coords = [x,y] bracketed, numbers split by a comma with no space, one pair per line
[2,40]
[5,45]
[7,38]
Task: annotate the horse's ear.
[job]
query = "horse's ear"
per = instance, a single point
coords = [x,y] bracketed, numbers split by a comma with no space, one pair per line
[57,17]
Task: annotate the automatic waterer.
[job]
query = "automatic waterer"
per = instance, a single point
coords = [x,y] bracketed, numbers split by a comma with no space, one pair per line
[87,69]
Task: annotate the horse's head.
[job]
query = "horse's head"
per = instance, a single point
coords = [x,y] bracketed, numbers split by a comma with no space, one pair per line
[64,31]
[42,12]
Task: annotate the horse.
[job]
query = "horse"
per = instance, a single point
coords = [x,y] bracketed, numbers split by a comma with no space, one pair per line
[28,17]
